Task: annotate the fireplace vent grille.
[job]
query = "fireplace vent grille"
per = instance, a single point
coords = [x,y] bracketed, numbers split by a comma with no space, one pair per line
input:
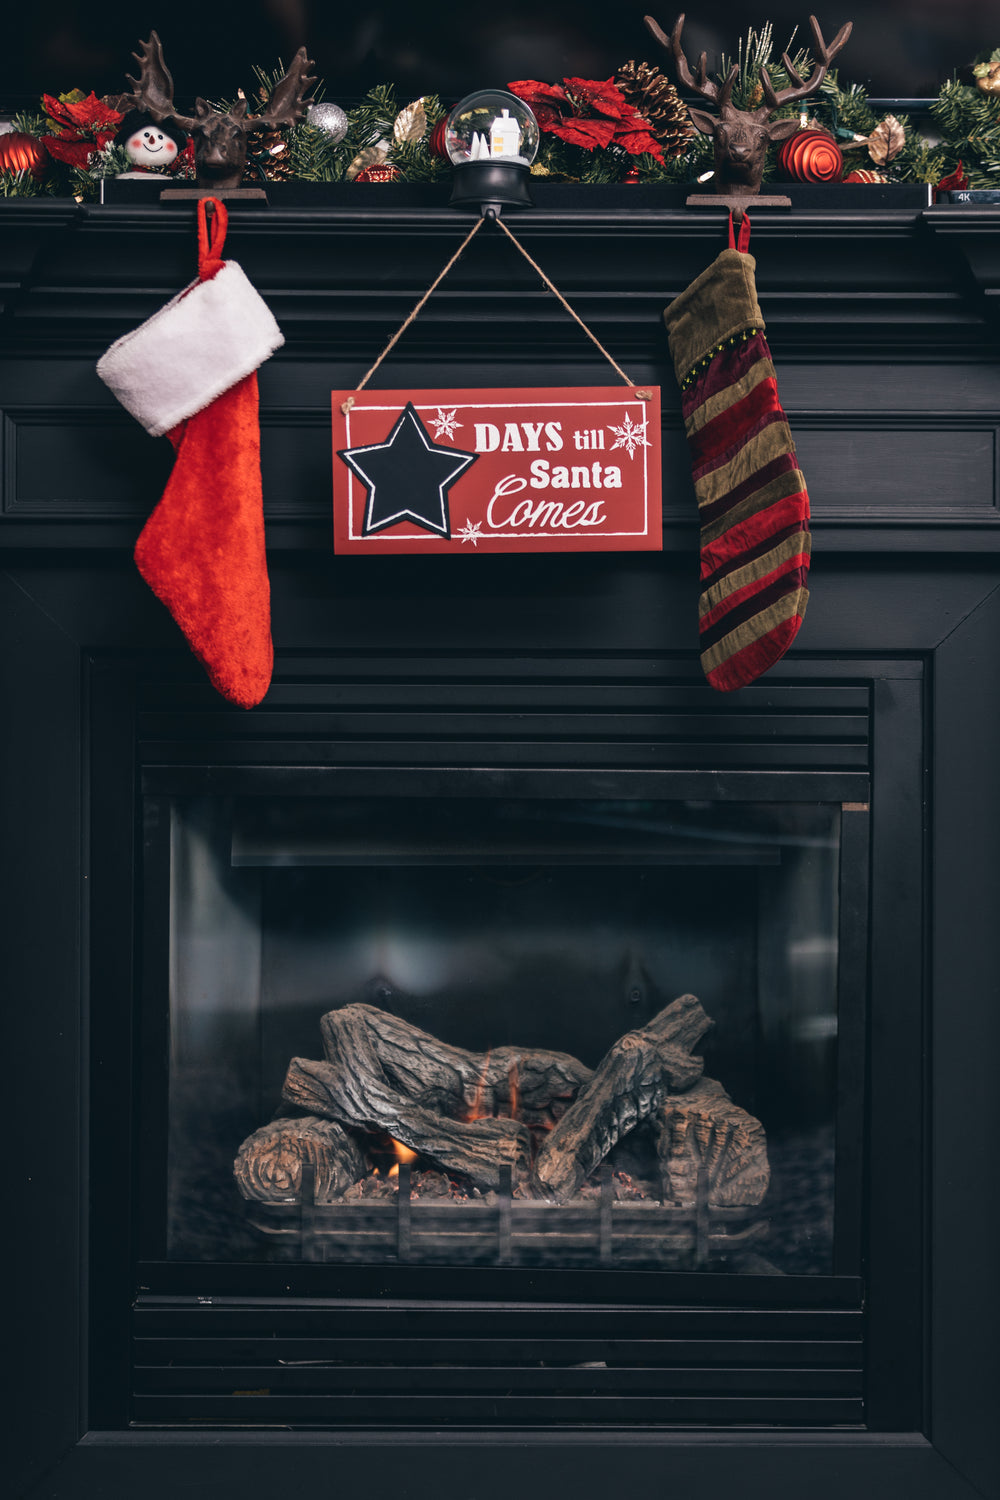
[407,1365]
[545,712]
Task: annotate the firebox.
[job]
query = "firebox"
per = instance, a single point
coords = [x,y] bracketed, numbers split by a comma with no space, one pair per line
[439,1030]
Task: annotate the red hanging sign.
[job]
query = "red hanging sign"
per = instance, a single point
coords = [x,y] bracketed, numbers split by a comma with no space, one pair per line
[575,469]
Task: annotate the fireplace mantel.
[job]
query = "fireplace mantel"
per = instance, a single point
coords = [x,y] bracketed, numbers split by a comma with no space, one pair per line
[883,325]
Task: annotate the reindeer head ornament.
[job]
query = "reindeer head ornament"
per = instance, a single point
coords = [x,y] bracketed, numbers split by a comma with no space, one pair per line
[742,136]
[220,138]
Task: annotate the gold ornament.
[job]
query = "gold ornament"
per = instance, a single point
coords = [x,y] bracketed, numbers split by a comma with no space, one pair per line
[886,141]
[370,156]
[988,77]
[410,124]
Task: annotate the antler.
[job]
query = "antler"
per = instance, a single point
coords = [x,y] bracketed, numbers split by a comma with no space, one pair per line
[287,104]
[803,88]
[702,85]
[153,90]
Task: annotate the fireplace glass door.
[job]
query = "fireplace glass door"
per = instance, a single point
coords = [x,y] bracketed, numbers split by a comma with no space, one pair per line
[506,1031]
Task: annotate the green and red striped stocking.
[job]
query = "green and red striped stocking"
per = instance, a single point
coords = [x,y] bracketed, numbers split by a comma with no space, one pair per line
[752,500]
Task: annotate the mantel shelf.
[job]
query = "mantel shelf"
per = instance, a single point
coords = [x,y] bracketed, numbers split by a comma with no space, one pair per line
[896,276]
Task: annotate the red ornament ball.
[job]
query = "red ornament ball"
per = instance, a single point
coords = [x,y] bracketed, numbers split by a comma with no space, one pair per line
[383,172]
[436,145]
[22,153]
[811,156]
[865,174]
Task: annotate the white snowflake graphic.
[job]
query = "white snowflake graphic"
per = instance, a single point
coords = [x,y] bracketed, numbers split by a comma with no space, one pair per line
[471,532]
[446,423]
[630,435]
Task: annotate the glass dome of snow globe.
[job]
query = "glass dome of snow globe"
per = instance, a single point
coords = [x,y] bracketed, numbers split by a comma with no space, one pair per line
[491,138]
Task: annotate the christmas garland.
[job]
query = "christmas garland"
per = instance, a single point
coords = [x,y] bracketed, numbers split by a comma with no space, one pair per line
[633,127]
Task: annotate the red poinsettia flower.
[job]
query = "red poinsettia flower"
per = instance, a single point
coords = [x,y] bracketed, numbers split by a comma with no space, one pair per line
[597,94]
[954,182]
[532,92]
[85,114]
[636,138]
[586,133]
[588,112]
[86,124]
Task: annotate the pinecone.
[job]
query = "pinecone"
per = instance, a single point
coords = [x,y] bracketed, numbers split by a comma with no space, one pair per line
[654,96]
[273,155]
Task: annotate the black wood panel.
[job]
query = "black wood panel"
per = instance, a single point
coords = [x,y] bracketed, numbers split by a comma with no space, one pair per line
[485,1465]
[41,985]
[114,954]
[93,463]
[896,1042]
[965,1311]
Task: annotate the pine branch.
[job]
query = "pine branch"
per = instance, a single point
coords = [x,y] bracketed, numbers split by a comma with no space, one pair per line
[109,162]
[19,185]
[30,122]
[417,164]
[313,155]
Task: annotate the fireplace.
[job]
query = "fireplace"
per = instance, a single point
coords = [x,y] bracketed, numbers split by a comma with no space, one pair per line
[308,928]
[494,804]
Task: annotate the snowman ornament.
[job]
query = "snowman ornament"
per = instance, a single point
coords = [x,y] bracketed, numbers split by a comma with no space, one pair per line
[149,147]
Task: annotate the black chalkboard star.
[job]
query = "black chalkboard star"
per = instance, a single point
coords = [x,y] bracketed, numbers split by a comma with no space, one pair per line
[408,476]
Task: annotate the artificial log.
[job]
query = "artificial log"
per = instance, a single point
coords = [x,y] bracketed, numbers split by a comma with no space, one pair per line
[633,1079]
[476,1149]
[268,1168]
[534,1084]
[704,1130]
[681,1024]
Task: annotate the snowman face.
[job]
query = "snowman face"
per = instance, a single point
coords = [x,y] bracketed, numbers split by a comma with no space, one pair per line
[149,147]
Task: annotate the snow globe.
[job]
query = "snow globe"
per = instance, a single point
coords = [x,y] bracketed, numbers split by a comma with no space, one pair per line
[491,138]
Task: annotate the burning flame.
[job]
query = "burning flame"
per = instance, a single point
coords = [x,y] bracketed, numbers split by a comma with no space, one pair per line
[515,1092]
[403,1155]
[476,1110]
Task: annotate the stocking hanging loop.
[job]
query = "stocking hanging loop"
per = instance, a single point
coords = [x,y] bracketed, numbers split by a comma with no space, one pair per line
[213,221]
[743,243]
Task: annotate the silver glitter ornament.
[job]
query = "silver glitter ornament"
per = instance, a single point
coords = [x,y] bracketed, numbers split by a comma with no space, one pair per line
[329,118]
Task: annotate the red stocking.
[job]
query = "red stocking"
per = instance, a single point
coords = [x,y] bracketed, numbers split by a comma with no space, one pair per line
[190,371]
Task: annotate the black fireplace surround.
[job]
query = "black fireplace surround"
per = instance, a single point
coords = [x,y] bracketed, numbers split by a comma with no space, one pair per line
[466,693]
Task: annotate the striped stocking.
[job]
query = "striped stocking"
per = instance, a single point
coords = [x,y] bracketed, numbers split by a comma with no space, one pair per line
[752,499]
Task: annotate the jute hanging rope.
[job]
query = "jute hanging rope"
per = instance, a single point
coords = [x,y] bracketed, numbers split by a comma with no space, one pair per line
[346,405]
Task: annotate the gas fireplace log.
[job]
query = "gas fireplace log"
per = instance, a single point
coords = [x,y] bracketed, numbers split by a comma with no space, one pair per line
[475,1148]
[705,1127]
[682,1023]
[640,1070]
[449,1079]
[268,1168]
